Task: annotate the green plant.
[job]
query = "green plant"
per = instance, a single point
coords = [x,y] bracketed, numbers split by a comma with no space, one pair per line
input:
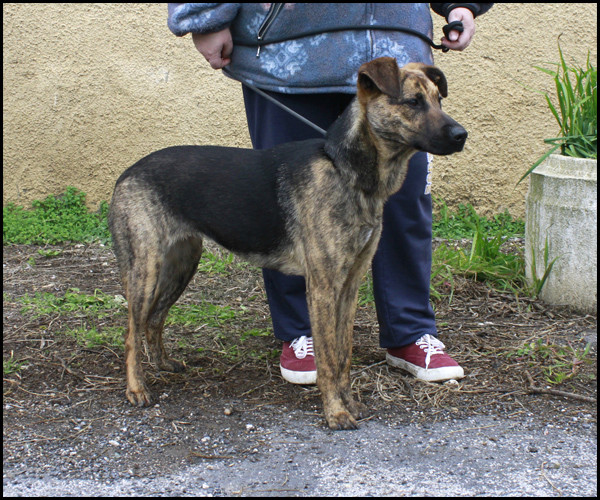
[204,313]
[90,310]
[256,332]
[484,260]
[57,219]
[577,112]
[441,278]
[73,302]
[461,223]
[365,291]
[557,363]
[213,263]
[11,365]
[91,336]
[538,283]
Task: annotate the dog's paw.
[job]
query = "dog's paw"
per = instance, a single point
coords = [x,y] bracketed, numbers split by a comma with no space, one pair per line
[357,409]
[341,421]
[140,397]
[171,365]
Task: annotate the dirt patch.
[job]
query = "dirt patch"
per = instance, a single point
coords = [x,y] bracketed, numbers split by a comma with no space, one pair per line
[64,401]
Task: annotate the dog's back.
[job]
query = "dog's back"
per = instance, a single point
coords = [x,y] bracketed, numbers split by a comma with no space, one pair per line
[230,195]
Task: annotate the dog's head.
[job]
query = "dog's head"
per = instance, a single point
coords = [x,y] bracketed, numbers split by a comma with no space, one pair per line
[403,107]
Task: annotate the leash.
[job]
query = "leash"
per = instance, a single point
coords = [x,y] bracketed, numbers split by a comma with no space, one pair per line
[285,108]
[454,25]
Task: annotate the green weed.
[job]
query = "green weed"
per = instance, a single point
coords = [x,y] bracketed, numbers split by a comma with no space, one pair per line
[213,263]
[463,222]
[11,365]
[484,261]
[538,283]
[72,302]
[90,336]
[57,219]
[557,363]
[256,332]
[200,314]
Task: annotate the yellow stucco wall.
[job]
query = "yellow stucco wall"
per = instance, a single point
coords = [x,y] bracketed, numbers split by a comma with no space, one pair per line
[91,88]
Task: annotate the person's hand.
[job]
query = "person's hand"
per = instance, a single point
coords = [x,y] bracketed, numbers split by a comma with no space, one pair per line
[215,47]
[458,40]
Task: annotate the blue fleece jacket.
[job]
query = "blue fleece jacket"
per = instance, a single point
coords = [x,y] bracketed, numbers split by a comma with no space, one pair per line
[325,62]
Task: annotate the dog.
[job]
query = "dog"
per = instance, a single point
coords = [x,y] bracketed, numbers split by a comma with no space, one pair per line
[311,208]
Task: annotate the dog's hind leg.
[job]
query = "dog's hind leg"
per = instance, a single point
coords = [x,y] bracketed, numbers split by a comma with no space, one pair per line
[178,266]
[140,279]
[155,279]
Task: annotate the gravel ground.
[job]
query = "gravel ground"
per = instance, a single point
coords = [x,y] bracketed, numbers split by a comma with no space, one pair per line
[291,456]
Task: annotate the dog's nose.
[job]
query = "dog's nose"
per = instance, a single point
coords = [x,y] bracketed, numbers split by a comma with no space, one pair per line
[457,134]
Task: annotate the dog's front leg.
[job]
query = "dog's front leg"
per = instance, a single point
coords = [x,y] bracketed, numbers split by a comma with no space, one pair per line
[346,311]
[332,351]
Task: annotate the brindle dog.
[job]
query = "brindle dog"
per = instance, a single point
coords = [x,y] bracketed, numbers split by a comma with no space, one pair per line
[311,208]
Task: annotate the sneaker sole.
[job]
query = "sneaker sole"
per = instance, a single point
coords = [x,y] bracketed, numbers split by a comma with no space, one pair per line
[433,375]
[294,377]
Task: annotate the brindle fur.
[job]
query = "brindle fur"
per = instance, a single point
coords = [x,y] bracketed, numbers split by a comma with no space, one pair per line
[312,208]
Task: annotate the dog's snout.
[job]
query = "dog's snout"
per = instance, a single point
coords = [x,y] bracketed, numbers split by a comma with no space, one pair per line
[457,134]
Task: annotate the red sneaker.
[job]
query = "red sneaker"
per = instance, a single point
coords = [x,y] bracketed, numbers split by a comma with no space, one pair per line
[297,361]
[426,360]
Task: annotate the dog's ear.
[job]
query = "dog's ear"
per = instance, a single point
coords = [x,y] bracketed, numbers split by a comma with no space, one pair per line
[436,76]
[433,73]
[381,75]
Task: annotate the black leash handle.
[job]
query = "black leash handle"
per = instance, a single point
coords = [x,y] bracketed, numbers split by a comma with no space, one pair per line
[454,25]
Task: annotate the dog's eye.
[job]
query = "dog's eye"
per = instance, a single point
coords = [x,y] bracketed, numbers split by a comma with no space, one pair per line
[415,102]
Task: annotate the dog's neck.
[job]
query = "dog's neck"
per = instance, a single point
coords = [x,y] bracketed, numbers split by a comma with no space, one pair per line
[367,164]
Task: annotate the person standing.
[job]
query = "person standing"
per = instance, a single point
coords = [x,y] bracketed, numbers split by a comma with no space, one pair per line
[315,75]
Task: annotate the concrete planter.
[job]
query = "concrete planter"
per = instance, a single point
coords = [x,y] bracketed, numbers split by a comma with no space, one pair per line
[562,208]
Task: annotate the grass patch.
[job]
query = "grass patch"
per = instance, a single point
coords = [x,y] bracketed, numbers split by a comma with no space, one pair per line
[57,219]
[212,263]
[205,314]
[98,304]
[91,336]
[11,365]
[483,262]
[89,309]
[465,221]
[557,363]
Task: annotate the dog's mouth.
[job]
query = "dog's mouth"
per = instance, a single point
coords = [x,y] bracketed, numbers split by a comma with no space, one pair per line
[440,149]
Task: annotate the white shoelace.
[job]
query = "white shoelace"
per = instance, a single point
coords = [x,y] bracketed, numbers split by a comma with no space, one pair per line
[431,345]
[303,346]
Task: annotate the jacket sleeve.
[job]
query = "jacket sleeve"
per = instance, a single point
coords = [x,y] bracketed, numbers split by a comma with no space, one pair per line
[187,18]
[443,9]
